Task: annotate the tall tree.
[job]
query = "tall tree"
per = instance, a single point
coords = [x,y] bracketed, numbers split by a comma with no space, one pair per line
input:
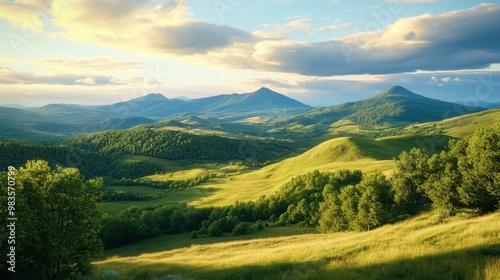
[479,163]
[409,175]
[57,222]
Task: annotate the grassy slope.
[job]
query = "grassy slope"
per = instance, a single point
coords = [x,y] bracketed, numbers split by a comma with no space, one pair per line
[462,126]
[340,153]
[424,247]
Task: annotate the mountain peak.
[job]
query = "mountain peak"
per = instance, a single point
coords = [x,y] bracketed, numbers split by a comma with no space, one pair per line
[398,92]
[264,90]
[151,97]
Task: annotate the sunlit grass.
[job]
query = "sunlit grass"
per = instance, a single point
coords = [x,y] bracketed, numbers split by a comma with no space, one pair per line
[462,126]
[426,247]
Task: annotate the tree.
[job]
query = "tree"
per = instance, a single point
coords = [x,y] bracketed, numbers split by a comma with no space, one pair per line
[57,222]
[443,182]
[409,175]
[375,203]
[478,161]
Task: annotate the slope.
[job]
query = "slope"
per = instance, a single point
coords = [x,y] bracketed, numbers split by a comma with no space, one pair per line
[394,107]
[425,247]
[460,126]
[339,153]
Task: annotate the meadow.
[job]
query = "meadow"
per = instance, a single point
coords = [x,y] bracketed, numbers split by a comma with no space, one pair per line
[428,246]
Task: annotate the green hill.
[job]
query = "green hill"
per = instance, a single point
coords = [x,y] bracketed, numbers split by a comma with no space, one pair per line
[394,107]
[425,247]
[339,153]
[461,126]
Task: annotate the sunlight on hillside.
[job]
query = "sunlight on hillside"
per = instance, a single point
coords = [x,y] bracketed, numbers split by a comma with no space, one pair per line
[423,245]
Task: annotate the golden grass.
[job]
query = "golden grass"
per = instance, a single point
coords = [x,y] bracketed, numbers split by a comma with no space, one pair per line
[467,247]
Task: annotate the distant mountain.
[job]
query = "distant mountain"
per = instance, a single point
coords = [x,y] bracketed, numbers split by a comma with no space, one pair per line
[262,101]
[394,107]
[57,121]
[151,105]
[483,104]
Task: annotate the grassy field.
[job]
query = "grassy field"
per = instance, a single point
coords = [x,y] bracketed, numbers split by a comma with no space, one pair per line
[428,246]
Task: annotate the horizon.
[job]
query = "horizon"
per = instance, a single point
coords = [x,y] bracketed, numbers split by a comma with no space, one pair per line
[324,54]
[472,103]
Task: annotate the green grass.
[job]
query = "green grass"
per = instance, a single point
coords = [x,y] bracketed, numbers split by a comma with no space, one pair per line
[428,246]
[170,198]
[177,241]
[462,126]
[339,153]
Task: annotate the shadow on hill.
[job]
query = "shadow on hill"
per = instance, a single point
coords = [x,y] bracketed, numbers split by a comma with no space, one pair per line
[473,263]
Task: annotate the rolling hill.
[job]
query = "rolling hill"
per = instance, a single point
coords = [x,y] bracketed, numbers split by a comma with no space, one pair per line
[396,106]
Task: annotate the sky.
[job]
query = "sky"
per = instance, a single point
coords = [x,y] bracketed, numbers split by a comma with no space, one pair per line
[320,52]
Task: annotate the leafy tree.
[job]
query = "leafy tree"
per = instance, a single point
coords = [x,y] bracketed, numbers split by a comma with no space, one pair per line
[410,174]
[241,228]
[478,161]
[443,182]
[58,224]
[374,208]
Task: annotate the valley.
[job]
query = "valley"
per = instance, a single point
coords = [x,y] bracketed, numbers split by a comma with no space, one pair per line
[278,189]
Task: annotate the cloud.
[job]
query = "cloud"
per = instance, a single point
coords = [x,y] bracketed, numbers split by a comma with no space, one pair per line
[96,64]
[335,27]
[464,39]
[135,25]
[9,76]
[281,31]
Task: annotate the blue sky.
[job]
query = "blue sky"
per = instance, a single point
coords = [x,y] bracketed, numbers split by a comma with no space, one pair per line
[321,52]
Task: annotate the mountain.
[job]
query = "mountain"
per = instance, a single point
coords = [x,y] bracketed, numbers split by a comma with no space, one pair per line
[483,104]
[263,101]
[151,106]
[394,107]
[60,121]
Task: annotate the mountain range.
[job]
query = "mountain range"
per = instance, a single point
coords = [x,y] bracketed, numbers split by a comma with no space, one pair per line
[261,112]
[262,102]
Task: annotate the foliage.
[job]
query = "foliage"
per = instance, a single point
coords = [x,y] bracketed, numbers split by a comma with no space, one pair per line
[18,153]
[57,221]
[175,145]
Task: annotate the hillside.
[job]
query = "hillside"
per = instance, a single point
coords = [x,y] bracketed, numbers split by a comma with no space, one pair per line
[460,126]
[394,107]
[425,247]
[339,153]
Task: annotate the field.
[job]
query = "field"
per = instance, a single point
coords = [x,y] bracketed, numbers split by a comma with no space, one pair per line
[428,246]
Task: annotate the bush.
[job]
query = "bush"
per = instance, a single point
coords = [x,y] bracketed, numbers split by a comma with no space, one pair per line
[240,229]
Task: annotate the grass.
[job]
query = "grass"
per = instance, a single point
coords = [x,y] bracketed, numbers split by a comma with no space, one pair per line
[462,126]
[426,247]
[339,153]
[171,198]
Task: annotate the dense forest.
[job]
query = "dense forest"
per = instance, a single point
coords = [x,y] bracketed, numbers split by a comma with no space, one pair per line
[175,145]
